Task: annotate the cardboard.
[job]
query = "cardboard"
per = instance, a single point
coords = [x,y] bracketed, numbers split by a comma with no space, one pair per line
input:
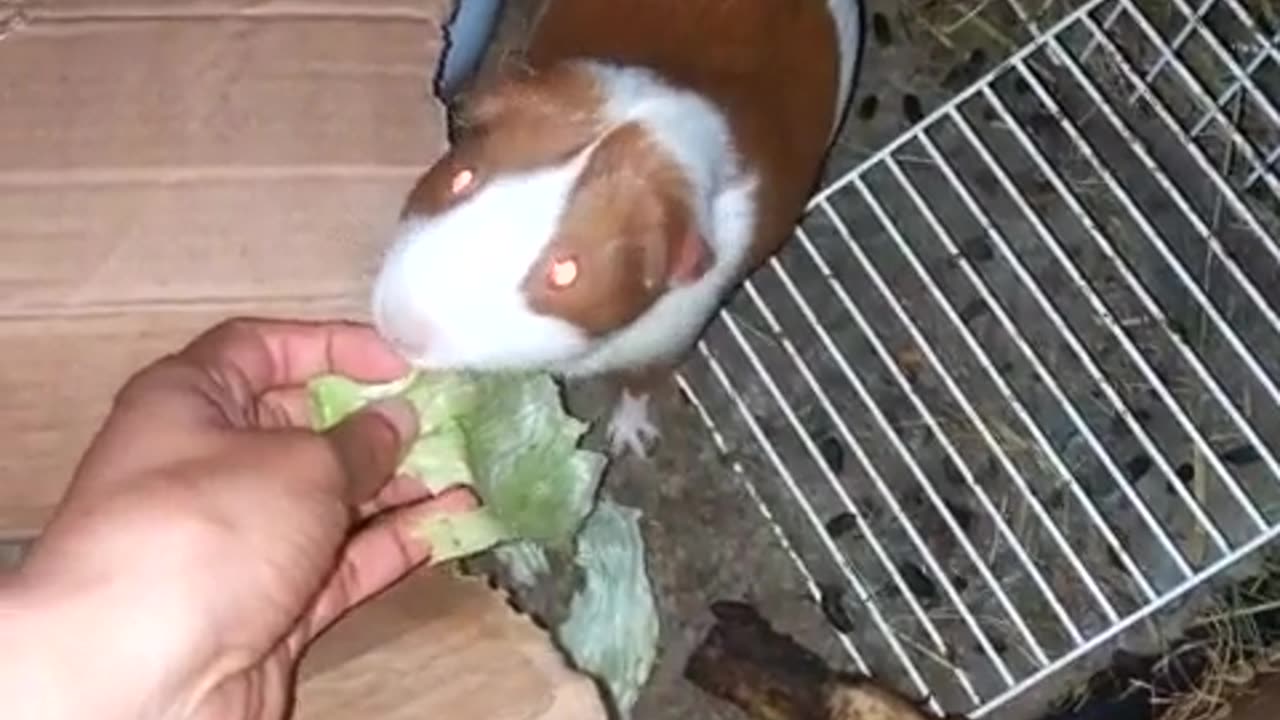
[437,646]
[167,164]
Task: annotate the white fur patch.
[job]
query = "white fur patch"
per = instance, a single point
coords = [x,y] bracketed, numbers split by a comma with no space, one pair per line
[449,290]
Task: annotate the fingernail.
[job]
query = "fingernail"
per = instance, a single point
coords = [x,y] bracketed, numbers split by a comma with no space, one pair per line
[400,413]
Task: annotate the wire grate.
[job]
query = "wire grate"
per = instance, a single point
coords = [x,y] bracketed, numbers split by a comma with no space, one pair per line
[1042,327]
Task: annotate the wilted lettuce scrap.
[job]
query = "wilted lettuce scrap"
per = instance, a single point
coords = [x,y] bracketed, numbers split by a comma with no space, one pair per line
[612,628]
[505,435]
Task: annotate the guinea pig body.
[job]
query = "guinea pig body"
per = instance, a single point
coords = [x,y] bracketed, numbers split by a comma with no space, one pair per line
[601,198]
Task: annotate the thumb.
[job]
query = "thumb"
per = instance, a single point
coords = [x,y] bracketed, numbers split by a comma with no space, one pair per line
[370,445]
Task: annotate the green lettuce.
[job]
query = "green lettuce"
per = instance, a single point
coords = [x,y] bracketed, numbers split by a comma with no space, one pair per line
[506,435]
[612,628]
[526,563]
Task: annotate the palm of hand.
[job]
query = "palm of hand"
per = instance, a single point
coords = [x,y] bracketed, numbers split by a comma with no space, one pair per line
[226,533]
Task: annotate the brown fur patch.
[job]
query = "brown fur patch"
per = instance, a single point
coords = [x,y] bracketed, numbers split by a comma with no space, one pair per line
[522,120]
[629,227]
[772,65]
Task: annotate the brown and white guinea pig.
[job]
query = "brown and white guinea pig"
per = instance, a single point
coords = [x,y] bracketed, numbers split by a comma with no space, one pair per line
[600,201]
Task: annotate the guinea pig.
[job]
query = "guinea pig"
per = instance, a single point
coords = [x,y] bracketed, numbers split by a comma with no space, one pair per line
[603,196]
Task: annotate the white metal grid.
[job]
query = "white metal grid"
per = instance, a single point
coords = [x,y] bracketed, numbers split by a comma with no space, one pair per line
[1042,323]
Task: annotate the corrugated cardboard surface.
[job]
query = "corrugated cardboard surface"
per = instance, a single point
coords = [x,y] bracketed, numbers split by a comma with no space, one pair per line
[166,164]
[437,646]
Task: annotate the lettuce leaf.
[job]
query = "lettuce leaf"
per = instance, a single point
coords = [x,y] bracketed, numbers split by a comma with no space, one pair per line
[611,631]
[525,562]
[506,435]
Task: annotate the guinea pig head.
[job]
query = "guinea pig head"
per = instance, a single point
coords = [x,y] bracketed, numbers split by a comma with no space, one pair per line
[544,229]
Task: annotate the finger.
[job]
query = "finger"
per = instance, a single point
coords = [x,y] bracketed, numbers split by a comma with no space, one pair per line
[402,490]
[218,377]
[370,445]
[265,354]
[378,556]
[286,407]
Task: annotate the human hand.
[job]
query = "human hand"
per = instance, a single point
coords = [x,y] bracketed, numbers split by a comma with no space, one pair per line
[209,534]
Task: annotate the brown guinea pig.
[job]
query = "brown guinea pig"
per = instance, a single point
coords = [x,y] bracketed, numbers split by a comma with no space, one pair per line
[600,201]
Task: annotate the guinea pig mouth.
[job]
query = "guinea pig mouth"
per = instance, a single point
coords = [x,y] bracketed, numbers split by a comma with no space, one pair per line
[413,341]
[432,330]
[455,348]
[410,345]
[397,324]
[531,347]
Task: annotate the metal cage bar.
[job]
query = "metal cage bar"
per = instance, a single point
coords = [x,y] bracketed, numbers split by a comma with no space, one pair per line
[1078,287]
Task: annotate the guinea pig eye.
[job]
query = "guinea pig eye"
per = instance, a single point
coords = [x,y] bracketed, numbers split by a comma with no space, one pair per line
[462,181]
[562,273]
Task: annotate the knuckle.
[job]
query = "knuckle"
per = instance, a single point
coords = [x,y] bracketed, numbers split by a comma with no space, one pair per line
[159,373]
[226,333]
[233,326]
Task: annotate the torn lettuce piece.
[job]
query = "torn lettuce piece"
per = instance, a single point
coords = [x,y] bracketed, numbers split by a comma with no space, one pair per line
[526,562]
[506,435]
[439,459]
[457,535]
[611,631]
[334,397]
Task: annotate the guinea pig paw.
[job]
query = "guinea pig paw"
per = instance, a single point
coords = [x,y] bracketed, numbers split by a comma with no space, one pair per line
[630,427]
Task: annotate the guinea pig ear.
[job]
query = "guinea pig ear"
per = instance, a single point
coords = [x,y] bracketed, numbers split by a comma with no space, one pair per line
[650,197]
[674,251]
[490,99]
[673,248]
